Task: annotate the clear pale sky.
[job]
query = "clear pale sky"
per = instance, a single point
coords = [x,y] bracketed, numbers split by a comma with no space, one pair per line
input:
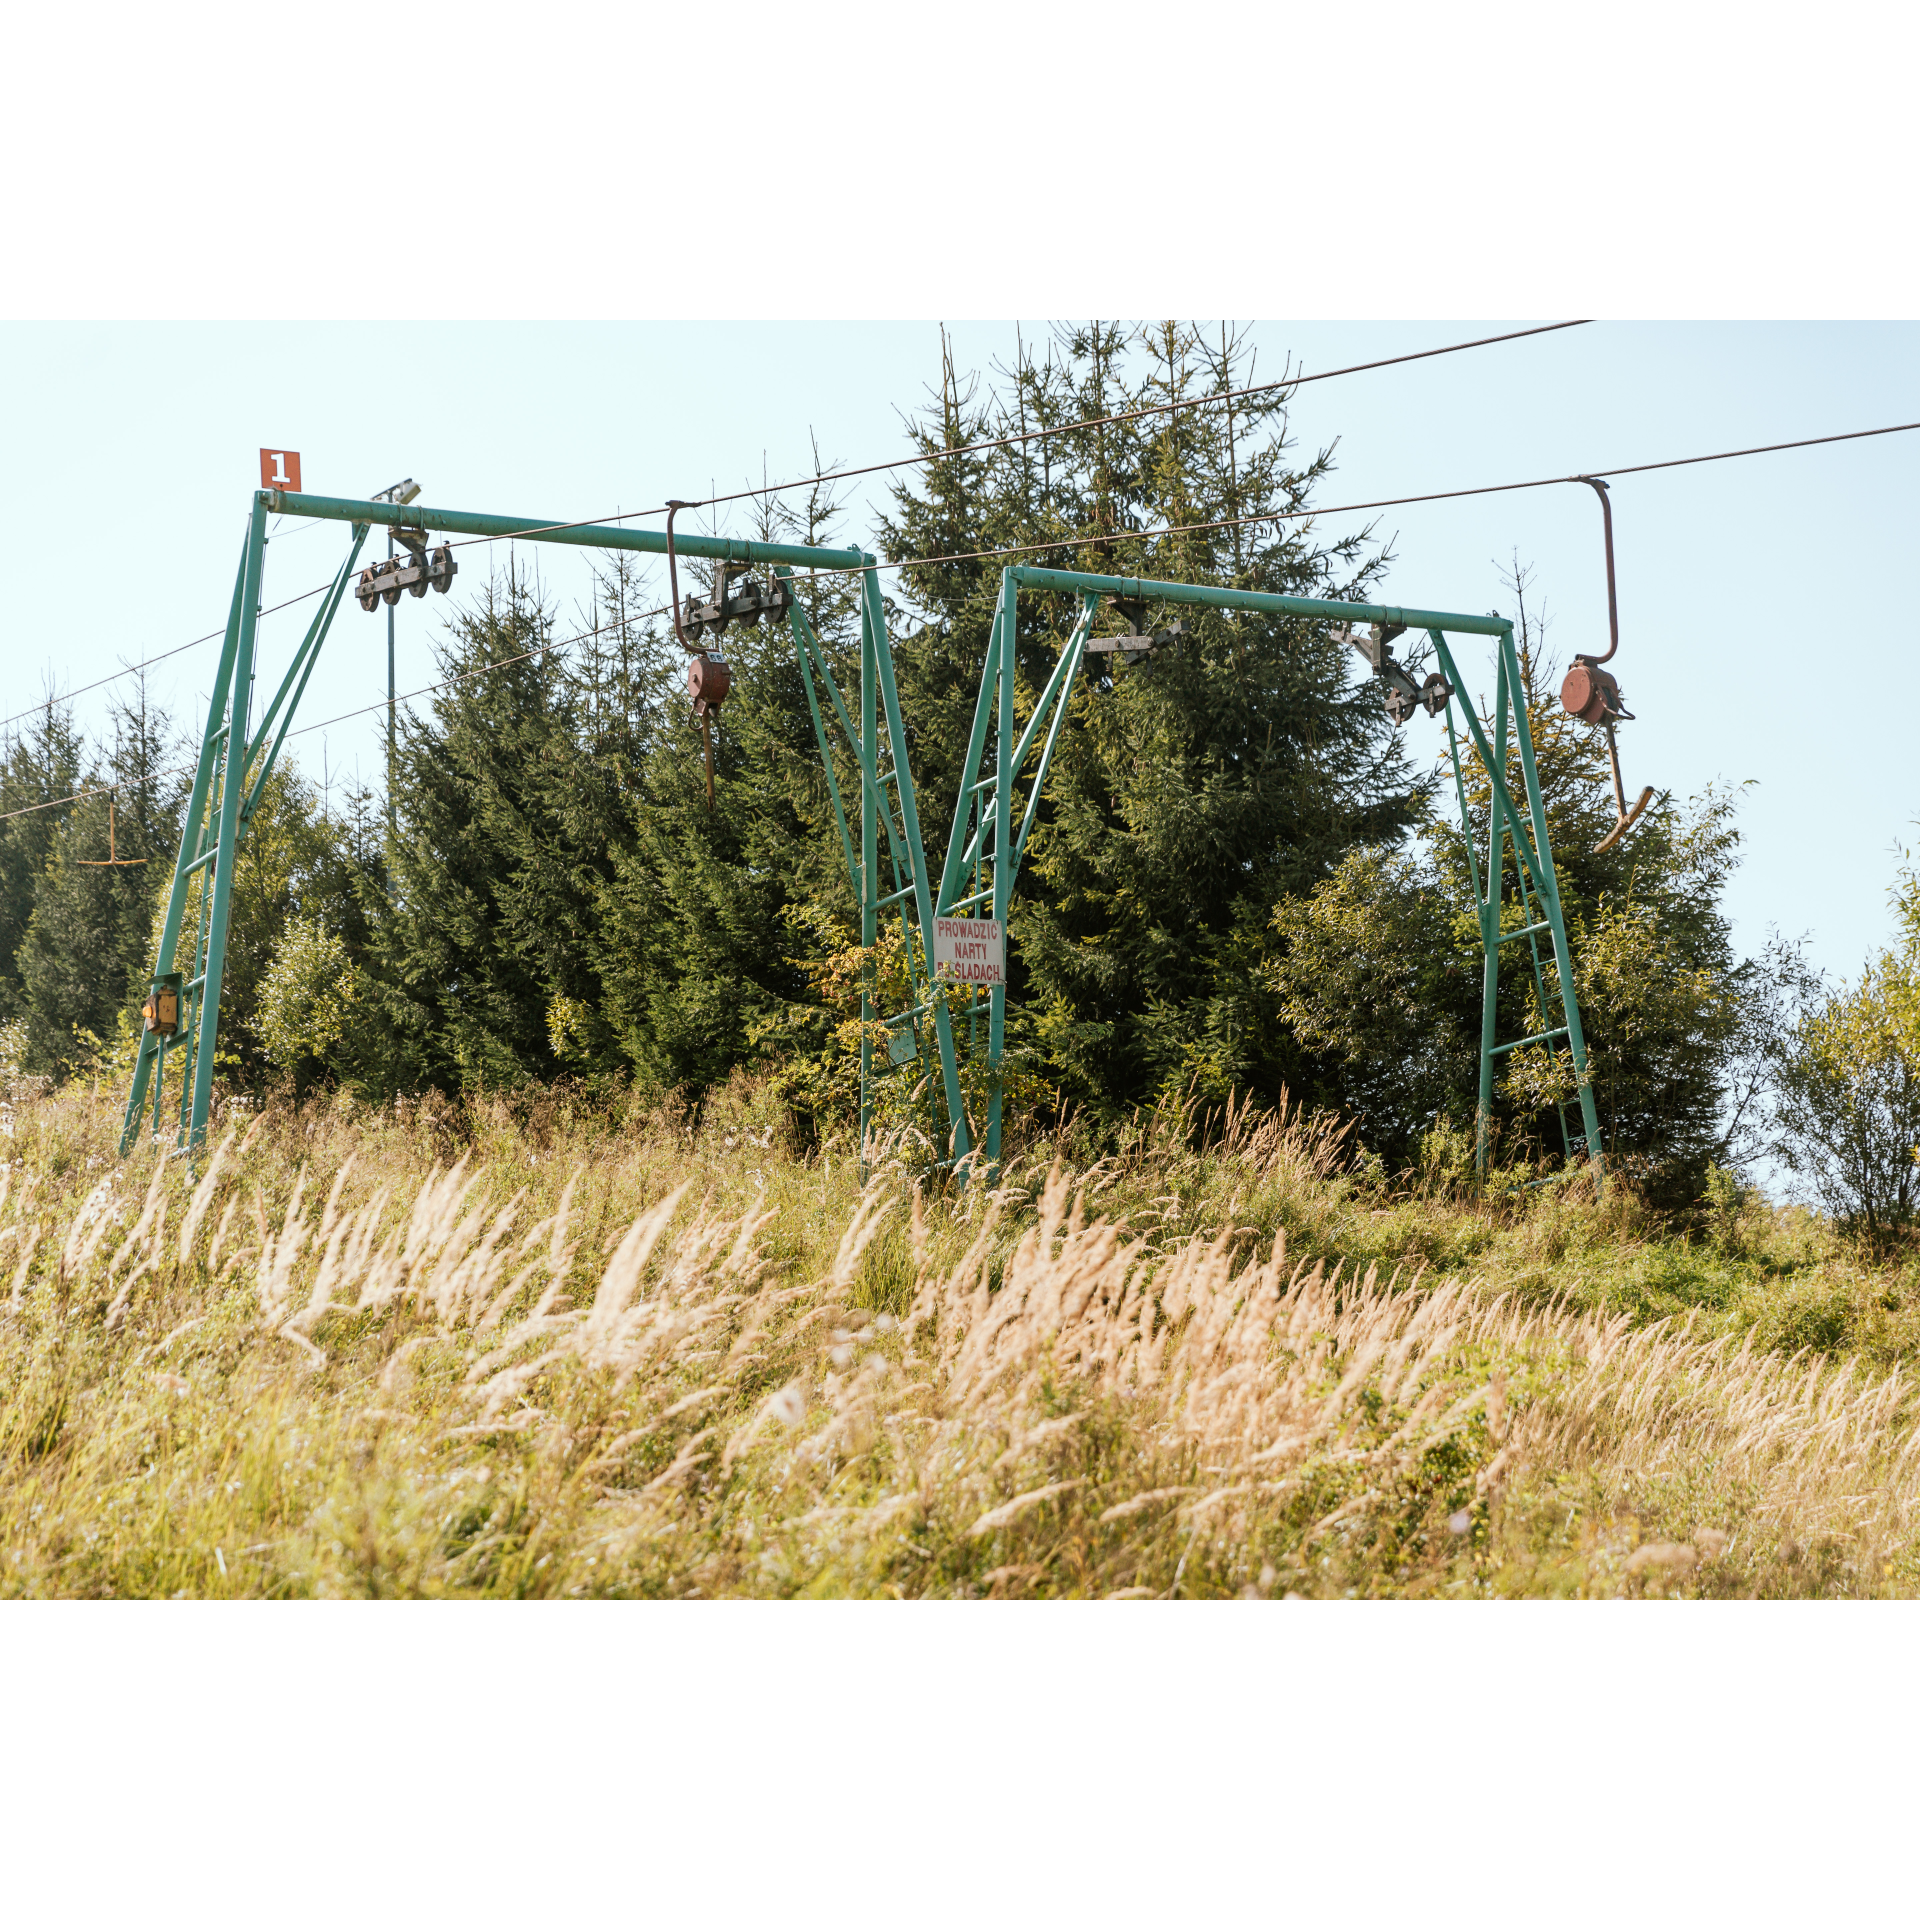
[1768,606]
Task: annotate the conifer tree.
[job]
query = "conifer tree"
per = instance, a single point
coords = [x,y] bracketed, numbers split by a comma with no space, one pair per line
[706,926]
[1191,792]
[487,906]
[41,769]
[84,956]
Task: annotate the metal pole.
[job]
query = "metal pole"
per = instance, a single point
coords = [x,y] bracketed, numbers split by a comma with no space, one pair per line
[262,753]
[968,802]
[227,845]
[1002,859]
[1522,848]
[1549,890]
[1613,596]
[1060,692]
[805,648]
[865,746]
[923,898]
[390,699]
[1490,935]
[152,1056]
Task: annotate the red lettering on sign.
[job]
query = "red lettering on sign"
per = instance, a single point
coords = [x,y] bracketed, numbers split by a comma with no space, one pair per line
[969,952]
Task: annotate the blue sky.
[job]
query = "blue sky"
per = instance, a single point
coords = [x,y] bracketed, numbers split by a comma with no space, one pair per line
[1768,606]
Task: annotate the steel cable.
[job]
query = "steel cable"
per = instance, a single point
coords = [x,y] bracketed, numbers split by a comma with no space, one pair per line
[852,473]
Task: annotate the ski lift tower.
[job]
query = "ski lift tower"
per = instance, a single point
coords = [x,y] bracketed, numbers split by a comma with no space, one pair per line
[952,916]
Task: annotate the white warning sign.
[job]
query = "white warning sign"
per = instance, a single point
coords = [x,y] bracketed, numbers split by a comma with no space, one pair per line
[972,952]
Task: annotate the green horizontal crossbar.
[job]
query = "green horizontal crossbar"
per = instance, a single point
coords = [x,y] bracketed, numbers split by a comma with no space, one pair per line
[1061,581]
[694,546]
[1532,1039]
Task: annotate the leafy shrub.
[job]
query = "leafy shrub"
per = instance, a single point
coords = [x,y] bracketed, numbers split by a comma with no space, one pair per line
[310,998]
[1846,1091]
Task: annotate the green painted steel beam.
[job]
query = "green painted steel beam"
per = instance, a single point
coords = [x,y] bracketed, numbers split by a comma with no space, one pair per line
[1540,910]
[957,1137]
[806,648]
[953,873]
[298,673]
[693,546]
[151,1060]
[865,746]
[1549,891]
[1490,904]
[1060,692]
[1503,801]
[233,778]
[1060,581]
[1003,669]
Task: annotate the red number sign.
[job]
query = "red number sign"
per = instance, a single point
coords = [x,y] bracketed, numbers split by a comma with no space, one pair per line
[279,468]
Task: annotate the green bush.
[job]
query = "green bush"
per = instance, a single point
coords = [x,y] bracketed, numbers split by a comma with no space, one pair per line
[1846,1093]
[310,998]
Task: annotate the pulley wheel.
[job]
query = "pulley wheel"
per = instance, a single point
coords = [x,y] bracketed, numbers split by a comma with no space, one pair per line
[709,681]
[1584,692]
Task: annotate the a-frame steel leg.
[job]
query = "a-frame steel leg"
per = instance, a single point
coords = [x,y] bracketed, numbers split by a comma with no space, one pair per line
[227,786]
[1534,856]
[227,845]
[153,1049]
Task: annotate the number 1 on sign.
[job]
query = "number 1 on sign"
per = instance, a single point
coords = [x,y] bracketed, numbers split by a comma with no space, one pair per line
[280,469]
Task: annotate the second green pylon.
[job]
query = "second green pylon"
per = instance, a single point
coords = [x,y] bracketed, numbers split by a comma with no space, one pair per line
[1538,899]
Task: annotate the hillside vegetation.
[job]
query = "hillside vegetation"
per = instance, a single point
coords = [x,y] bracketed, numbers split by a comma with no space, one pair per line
[567,1350]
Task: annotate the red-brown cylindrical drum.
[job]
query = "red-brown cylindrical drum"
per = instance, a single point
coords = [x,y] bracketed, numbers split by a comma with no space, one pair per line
[709,681]
[1584,692]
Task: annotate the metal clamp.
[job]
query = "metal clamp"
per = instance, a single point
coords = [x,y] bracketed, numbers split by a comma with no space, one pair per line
[1405,695]
[387,579]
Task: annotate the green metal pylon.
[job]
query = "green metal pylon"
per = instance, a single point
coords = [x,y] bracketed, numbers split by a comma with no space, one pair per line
[889,872]
[1538,894]
[227,786]
[985,844]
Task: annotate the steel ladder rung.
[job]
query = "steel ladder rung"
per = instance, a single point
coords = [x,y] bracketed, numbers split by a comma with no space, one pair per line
[1528,1040]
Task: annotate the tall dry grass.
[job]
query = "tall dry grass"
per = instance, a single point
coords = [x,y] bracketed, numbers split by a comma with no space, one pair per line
[360,1355]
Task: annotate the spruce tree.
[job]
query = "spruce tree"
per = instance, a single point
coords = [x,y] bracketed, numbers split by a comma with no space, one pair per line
[713,913]
[40,771]
[85,955]
[484,917]
[1193,791]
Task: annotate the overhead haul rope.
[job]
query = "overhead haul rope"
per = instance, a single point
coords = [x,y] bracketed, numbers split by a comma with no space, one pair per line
[1055,546]
[853,473]
[453,680]
[1043,433]
[60,699]
[1368,506]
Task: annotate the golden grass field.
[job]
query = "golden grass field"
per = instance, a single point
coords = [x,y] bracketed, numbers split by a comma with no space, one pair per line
[438,1352]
